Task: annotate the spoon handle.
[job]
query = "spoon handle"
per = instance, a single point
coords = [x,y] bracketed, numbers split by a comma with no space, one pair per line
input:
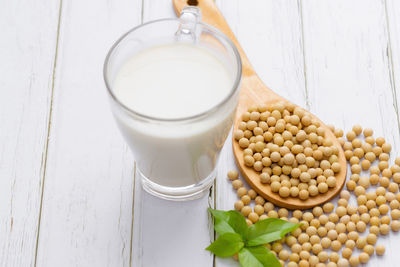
[212,16]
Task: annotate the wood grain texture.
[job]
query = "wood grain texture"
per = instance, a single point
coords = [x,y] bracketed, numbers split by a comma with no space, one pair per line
[392,9]
[393,49]
[351,75]
[348,76]
[273,45]
[165,233]
[87,203]
[169,233]
[28,44]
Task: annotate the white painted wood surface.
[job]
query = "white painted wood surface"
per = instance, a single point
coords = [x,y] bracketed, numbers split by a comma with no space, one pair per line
[340,59]
[347,60]
[27,50]
[86,215]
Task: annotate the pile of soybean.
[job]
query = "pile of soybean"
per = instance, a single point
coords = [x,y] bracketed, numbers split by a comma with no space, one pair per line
[289,149]
[345,234]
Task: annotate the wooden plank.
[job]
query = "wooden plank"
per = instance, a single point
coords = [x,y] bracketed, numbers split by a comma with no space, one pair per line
[165,233]
[170,234]
[270,33]
[348,75]
[393,52]
[393,49]
[87,204]
[28,45]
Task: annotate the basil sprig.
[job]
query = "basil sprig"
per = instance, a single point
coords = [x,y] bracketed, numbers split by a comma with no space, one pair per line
[235,237]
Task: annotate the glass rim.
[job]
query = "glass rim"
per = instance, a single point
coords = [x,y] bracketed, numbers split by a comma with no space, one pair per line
[235,86]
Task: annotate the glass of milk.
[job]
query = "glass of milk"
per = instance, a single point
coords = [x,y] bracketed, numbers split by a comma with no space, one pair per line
[173,87]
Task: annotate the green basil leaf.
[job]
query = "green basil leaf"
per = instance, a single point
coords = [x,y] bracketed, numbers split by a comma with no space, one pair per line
[229,222]
[268,230]
[226,245]
[257,257]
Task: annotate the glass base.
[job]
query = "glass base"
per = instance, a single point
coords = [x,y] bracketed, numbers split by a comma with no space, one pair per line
[177,193]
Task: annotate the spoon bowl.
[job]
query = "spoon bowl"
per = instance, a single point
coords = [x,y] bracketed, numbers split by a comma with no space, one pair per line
[253,92]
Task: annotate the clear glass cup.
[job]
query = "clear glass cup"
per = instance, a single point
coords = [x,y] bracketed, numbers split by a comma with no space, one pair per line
[175,158]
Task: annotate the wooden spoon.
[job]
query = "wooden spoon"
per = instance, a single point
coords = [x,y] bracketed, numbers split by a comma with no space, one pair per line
[253,92]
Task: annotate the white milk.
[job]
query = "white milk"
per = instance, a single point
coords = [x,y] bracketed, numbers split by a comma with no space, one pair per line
[175,81]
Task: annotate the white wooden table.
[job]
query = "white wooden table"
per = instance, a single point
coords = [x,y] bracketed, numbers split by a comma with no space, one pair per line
[68,194]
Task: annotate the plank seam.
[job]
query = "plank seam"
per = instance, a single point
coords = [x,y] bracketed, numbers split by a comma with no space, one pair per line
[391,67]
[300,6]
[133,212]
[142,13]
[134,172]
[213,194]
[44,166]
